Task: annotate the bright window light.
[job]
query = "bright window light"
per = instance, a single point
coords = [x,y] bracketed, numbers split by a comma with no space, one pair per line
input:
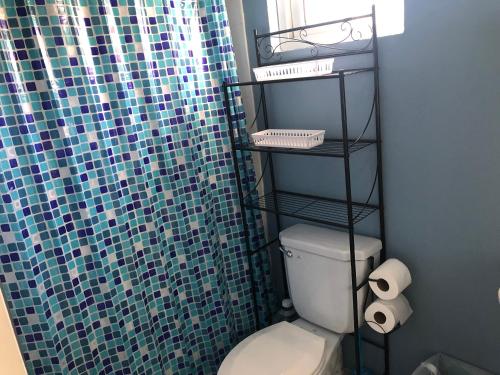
[285,14]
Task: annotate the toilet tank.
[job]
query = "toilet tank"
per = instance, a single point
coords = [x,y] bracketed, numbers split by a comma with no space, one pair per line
[319,274]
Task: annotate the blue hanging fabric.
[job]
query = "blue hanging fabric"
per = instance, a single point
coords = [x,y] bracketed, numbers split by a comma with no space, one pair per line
[121,236]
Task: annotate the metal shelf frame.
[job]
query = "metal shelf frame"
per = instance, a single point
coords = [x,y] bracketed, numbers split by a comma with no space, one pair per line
[330,148]
[339,213]
[321,210]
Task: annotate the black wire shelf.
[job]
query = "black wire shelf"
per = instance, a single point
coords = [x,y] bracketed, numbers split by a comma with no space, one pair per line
[333,74]
[312,208]
[329,148]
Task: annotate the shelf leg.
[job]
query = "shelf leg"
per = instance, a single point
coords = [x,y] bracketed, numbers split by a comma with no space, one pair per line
[242,206]
[347,172]
[273,187]
[380,180]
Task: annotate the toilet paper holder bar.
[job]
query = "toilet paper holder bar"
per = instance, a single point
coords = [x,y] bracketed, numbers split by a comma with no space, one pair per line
[366,281]
[398,326]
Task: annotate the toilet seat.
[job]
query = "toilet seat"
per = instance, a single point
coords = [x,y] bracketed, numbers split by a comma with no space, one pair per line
[282,348]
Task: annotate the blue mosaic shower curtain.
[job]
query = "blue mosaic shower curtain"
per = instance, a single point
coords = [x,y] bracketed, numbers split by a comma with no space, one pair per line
[121,243]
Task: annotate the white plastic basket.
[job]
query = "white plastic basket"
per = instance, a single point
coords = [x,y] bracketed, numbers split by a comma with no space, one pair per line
[289,138]
[294,70]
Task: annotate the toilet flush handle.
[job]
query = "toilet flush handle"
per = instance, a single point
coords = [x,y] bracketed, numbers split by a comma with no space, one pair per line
[288,253]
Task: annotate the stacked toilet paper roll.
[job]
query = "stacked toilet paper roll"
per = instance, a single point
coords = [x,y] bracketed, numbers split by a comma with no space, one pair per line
[383,316]
[391,308]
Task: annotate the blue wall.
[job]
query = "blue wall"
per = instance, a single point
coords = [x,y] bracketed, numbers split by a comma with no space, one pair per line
[440,94]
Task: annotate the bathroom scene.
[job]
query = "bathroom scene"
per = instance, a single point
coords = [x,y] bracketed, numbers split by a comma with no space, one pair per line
[249,187]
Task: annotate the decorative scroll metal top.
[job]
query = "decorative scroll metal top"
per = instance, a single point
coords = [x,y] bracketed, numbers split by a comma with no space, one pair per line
[351,36]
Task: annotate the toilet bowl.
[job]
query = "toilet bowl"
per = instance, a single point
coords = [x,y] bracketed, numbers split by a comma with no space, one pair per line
[318,271]
[297,348]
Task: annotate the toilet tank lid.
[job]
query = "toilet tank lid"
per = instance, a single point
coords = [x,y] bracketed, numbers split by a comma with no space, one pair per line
[328,242]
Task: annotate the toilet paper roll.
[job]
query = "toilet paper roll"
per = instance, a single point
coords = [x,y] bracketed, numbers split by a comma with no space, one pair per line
[383,316]
[390,279]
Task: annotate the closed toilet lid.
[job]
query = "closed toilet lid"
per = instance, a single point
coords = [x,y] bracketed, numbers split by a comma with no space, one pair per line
[282,348]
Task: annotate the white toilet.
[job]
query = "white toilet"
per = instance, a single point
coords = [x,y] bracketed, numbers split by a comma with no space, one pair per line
[319,279]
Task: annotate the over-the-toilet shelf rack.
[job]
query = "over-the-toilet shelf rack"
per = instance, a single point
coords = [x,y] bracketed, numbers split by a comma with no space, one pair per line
[341,213]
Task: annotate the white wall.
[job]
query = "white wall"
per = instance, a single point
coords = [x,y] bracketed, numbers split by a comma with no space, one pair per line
[238,34]
[11,362]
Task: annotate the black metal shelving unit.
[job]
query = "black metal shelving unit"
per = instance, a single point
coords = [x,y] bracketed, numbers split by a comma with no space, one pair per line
[340,213]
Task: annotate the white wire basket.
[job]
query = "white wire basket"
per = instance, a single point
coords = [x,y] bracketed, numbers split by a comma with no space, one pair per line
[289,138]
[294,70]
